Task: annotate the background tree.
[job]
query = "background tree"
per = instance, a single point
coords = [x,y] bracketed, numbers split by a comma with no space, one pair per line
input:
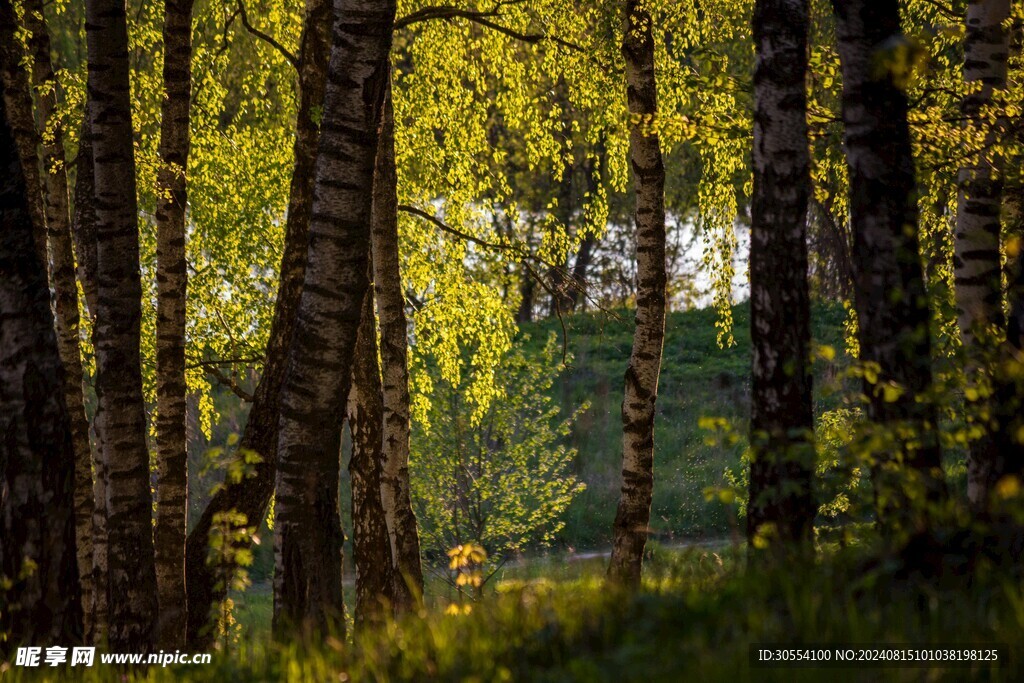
[890,295]
[371,543]
[782,409]
[394,354]
[172,282]
[504,481]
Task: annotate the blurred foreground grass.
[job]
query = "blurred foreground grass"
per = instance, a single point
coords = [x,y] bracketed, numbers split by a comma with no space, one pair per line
[699,612]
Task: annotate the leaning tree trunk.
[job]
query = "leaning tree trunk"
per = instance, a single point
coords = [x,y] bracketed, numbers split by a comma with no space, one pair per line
[889,290]
[132,577]
[62,277]
[394,354]
[251,495]
[782,412]
[172,281]
[39,589]
[18,99]
[638,405]
[308,536]
[371,545]
[977,269]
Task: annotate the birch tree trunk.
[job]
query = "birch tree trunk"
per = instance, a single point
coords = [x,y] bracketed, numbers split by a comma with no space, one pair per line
[172,285]
[782,412]
[22,123]
[394,353]
[62,278]
[1008,403]
[252,495]
[889,290]
[132,577]
[977,268]
[641,387]
[83,230]
[371,545]
[308,536]
[36,456]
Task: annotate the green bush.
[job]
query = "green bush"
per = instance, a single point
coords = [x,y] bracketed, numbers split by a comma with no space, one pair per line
[503,479]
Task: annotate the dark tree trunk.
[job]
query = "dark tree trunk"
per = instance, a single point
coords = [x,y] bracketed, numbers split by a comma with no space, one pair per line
[394,353]
[527,294]
[577,293]
[977,267]
[172,284]
[632,518]
[1008,404]
[37,466]
[308,536]
[782,412]
[22,123]
[83,230]
[83,221]
[890,296]
[562,286]
[371,545]
[252,495]
[62,277]
[131,573]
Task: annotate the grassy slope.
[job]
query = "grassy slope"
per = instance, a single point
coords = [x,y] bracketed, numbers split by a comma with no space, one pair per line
[698,379]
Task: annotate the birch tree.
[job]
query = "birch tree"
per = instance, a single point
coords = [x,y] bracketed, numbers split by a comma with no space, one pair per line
[131,572]
[977,268]
[172,284]
[308,536]
[251,495]
[889,291]
[638,405]
[62,278]
[371,543]
[782,411]
[394,353]
[39,584]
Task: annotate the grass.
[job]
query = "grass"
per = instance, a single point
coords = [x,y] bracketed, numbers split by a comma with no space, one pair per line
[698,379]
[700,611]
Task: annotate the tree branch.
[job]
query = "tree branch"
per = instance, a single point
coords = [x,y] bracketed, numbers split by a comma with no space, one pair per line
[292,59]
[482,18]
[524,256]
[229,382]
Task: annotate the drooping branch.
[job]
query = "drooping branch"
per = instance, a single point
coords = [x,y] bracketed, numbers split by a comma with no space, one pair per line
[266,37]
[483,18]
[519,252]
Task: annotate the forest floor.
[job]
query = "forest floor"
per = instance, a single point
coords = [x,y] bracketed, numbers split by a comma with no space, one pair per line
[699,615]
